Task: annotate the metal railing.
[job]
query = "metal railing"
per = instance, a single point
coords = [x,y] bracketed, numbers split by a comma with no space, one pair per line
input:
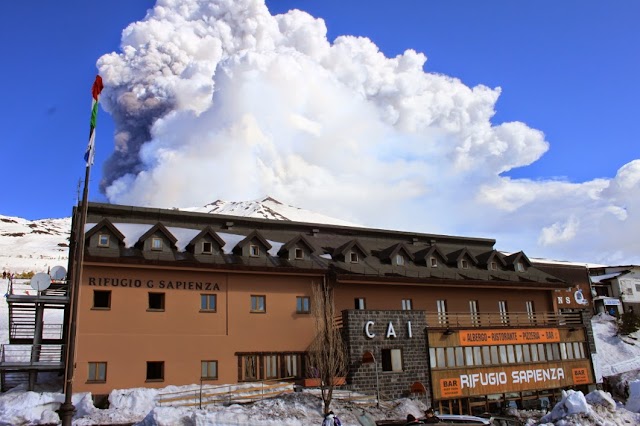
[498,319]
[31,355]
[22,287]
[26,330]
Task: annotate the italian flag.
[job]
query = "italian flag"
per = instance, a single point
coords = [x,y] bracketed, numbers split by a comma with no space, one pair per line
[95,92]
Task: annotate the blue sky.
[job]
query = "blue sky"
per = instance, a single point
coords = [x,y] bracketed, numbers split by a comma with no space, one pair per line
[568,69]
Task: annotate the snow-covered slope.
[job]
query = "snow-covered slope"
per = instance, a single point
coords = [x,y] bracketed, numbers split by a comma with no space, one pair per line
[37,245]
[267,208]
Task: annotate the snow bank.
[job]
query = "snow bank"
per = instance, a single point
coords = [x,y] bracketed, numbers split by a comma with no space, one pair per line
[633,402]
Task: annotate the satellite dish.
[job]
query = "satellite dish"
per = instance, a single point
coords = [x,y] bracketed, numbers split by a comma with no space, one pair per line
[58,273]
[40,281]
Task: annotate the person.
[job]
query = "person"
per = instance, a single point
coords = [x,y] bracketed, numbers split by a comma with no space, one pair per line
[336,421]
[330,419]
[430,416]
[4,275]
[411,420]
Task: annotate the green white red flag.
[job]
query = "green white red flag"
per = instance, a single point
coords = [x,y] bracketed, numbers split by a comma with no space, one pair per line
[95,91]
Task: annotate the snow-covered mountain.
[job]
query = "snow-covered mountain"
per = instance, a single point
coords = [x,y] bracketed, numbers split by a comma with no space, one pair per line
[36,246]
[41,244]
[267,208]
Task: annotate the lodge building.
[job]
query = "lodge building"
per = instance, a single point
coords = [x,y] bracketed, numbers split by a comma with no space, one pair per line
[169,297]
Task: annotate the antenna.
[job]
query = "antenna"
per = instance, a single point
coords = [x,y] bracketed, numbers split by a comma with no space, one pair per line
[40,281]
[58,273]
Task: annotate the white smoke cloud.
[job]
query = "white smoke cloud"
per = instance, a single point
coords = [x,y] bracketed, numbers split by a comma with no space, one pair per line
[222,100]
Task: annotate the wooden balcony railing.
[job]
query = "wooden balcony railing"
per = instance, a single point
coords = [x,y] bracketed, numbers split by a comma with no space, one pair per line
[497,319]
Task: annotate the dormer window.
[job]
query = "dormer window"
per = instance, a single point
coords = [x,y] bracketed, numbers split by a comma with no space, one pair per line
[353,257]
[103,240]
[254,250]
[298,254]
[207,247]
[433,261]
[399,260]
[519,267]
[493,266]
[156,243]
[464,264]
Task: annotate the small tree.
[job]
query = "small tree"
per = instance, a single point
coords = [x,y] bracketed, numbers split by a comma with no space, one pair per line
[628,323]
[327,354]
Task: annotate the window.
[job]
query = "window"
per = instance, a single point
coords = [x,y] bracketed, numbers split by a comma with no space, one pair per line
[156,243]
[531,316]
[520,267]
[209,370]
[303,304]
[254,250]
[399,260]
[258,304]
[360,303]
[298,254]
[291,365]
[442,311]
[353,257]
[271,366]
[156,302]
[638,287]
[406,304]
[155,371]
[103,240]
[207,247]
[250,367]
[502,307]
[464,264]
[392,360]
[473,309]
[493,266]
[208,302]
[97,372]
[101,299]
[433,261]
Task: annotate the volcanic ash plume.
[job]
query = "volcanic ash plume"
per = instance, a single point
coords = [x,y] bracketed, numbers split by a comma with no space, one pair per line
[222,100]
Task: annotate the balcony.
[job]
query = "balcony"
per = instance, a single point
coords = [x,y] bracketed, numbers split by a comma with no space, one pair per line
[33,357]
[452,320]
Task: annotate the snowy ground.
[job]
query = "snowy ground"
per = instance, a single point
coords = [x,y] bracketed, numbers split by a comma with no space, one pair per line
[618,358]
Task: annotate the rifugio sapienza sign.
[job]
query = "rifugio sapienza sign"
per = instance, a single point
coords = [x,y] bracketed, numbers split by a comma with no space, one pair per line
[397,341]
[455,383]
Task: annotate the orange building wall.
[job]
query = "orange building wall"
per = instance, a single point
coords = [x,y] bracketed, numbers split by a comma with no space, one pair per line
[127,336]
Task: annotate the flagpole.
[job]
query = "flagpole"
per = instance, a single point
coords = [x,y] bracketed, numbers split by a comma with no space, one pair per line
[67,408]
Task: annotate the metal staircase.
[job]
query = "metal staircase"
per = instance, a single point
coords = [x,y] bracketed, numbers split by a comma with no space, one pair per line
[35,344]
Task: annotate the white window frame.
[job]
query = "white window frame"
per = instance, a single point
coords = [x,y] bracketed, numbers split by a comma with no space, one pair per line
[531,312]
[493,266]
[473,310]
[156,244]
[298,253]
[504,314]
[399,259]
[464,264]
[442,311]
[254,250]
[407,304]
[353,257]
[101,242]
[207,247]
[433,261]
[520,267]
[360,303]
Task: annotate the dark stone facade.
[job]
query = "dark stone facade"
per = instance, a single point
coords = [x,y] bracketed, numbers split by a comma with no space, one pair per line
[415,359]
